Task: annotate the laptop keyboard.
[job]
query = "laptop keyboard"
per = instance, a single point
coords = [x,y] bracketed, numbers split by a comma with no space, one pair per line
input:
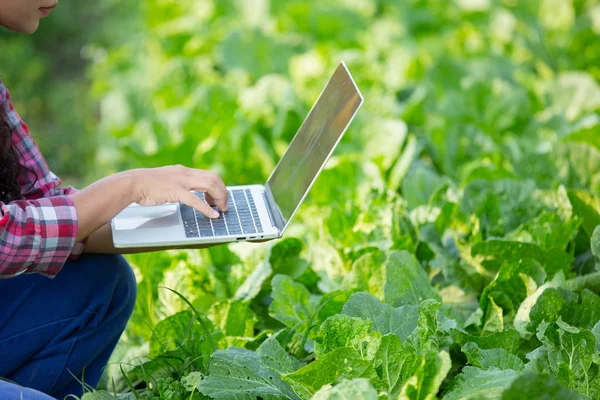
[241,217]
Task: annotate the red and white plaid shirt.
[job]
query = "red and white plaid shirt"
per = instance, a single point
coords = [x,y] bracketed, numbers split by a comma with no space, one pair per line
[38,233]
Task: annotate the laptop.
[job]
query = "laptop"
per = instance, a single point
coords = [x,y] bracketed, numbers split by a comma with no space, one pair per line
[255,211]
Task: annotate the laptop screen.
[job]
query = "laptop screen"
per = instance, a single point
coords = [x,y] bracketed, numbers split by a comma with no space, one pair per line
[314,142]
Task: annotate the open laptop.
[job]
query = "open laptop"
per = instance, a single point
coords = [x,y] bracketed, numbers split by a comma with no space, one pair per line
[255,211]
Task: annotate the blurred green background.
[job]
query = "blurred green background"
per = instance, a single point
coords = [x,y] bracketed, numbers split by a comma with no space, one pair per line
[109,85]
[457,92]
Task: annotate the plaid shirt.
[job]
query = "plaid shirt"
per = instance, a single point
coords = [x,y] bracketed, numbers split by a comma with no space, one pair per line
[37,233]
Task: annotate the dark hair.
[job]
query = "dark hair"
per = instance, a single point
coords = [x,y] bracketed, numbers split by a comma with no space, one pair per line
[10,167]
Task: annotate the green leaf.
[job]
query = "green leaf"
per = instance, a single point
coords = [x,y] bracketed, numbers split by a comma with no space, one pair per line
[400,321]
[271,55]
[239,374]
[292,303]
[334,366]
[424,338]
[98,395]
[406,280]
[586,134]
[512,284]
[275,357]
[368,273]
[548,231]
[494,318]
[233,317]
[253,283]
[342,330]
[285,257]
[552,303]
[595,244]
[509,340]
[420,183]
[587,207]
[493,254]
[492,358]
[567,353]
[500,205]
[395,363]
[476,383]
[522,318]
[358,389]
[178,330]
[425,383]
[536,386]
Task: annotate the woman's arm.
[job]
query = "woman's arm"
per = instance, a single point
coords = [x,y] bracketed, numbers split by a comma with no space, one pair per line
[98,203]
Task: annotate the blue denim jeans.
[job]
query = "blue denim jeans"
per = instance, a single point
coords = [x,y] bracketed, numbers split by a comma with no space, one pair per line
[57,332]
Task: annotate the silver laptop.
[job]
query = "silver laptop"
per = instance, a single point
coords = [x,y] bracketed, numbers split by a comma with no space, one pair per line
[255,211]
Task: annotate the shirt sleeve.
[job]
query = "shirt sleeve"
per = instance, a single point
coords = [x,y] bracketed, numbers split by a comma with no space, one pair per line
[37,235]
[24,222]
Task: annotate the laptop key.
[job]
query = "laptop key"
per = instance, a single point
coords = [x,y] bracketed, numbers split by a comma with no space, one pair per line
[206,233]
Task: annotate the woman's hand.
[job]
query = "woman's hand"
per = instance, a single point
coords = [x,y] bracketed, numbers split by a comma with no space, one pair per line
[98,203]
[155,186]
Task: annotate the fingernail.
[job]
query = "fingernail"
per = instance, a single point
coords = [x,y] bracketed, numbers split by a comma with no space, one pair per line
[215,214]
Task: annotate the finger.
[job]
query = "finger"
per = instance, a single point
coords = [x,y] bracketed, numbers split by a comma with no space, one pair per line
[209,199]
[210,183]
[193,201]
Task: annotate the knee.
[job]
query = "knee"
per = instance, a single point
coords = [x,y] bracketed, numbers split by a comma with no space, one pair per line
[125,283]
[113,273]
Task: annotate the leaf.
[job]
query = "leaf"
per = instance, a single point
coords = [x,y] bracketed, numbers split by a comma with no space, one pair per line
[512,284]
[493,358]
[424,338]
[420,183]
[400,169]
[342,330]
[547,230]
[589,134]
[292,303]
[98,395]
[522,318]
[551,304]
[509,340]
[567,353]
[493,254]
[358,389]
[340,363]
[253,283]
[587,207]
[476,383]
[285,257]
[394,363]
[368,273]
[500,205]
[271,54]
[494,318]
[240,374]
[174,332]
[233,317]
[400,321]
[275,357]
[426,381]
[595,244]
[536,386]
[406,281]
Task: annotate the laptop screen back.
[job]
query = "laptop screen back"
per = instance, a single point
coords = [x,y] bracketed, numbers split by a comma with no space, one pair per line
[314,142]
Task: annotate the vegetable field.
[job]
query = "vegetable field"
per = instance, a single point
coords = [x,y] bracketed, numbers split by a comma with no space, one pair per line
[450,248]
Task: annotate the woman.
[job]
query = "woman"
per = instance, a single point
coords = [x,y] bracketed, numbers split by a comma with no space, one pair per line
[56,332]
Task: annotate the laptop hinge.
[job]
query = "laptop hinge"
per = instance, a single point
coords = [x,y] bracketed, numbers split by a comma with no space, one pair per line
[274,211]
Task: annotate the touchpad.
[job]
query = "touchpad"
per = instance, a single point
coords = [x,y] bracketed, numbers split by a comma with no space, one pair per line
[138,217]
